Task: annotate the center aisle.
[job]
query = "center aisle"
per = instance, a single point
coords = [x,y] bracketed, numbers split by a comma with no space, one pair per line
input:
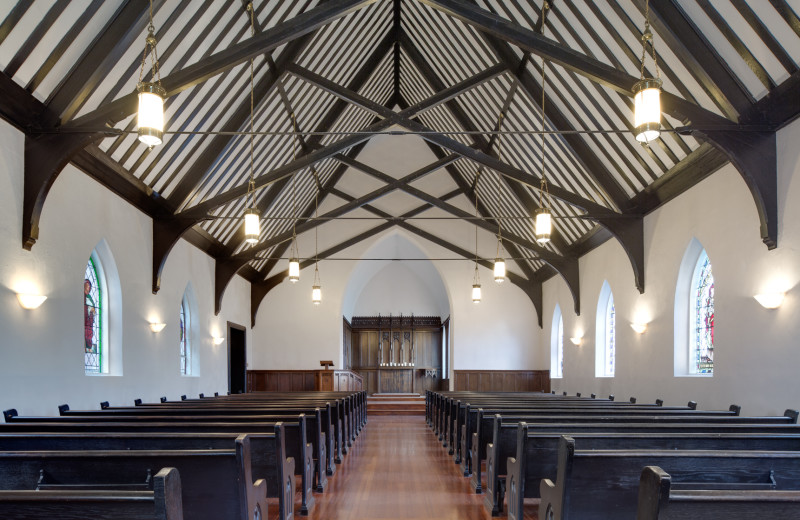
[397,469]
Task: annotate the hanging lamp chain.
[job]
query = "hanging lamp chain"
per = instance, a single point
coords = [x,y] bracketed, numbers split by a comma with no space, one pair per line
[150,45]
[252,185]
[647,37]
[294,187]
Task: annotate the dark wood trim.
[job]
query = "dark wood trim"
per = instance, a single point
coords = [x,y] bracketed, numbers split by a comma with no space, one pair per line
[502,380]
[201,71]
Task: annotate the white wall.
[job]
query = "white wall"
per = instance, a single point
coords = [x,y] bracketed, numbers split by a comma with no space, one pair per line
[291,333]
[756,350]
[41,352]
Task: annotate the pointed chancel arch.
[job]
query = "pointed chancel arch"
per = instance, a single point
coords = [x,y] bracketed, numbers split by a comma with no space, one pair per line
[102,314]
[606,333]
[694,314]
[557,345]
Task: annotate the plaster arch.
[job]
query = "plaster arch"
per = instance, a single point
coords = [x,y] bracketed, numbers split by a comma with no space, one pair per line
[421,277]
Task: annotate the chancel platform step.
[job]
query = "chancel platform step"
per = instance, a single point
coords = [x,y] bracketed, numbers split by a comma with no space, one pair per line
[395,404]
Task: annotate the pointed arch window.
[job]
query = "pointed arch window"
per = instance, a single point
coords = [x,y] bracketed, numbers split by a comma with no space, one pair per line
[185,338]
[606,336]
[557,345]
[701,341]
[95,317]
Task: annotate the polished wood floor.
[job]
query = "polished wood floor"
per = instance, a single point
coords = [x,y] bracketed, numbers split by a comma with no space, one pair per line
[397,469]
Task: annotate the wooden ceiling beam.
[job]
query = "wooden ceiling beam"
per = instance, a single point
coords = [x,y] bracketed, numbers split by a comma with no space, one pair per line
[699,57]
[201,71]
[593,69]
[100,57]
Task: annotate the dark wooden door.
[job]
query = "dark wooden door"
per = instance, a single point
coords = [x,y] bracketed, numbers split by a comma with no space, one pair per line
[237,358]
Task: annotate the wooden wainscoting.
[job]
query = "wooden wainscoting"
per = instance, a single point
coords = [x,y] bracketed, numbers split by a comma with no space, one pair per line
[502,380]
[303,380]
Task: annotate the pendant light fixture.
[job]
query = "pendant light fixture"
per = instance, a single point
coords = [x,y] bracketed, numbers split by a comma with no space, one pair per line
[499,262]
[476,280]
[316,288]
[647,91]
[252,225]
[544,218]
[150,118]
[294,256]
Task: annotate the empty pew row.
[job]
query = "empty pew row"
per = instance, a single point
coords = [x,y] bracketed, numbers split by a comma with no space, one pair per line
[658,500]
[659,429]
[163,502]
[293,426]
[268,453]
[216,484]
[539,458]
[600,484]
[221,418]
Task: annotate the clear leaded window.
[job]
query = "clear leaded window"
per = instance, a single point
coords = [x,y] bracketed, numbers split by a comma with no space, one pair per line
[557,345]
[93,319]
[186,368]
[702,354]
[560,347]
[611,335]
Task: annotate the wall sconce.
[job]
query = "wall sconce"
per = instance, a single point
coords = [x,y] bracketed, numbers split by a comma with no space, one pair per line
[639,328]
[577,340]
[771,300]
[30,301]
[157,327]
[217,340]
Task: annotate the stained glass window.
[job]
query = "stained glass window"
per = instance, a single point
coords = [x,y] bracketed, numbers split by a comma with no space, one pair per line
[557,344]
[186,368]
[611,335]
[92,319]
[702,355]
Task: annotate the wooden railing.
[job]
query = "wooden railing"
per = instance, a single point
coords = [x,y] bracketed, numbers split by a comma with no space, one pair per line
[303,380]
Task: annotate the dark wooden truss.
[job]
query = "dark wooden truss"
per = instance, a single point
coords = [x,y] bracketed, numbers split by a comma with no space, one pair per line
[422,95]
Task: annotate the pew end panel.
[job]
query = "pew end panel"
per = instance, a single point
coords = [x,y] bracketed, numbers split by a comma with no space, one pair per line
[516,470]
[555,497]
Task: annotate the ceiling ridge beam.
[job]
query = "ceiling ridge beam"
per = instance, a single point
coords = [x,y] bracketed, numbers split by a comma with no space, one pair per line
[201,71]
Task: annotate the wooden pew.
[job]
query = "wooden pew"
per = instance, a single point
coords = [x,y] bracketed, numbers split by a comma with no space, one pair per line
[319,436]
[476,451]
[215,484]
[540,448]
[269,459]
[601,484]
[658,501]
[293,432]
[163,502]
[540,454]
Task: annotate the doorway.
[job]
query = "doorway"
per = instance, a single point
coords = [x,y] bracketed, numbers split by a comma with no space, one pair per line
[237,359]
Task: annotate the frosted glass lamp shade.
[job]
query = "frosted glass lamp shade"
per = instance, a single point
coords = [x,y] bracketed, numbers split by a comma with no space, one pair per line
[476,293]
[30,301]
[770,300]
[647,110]
[294,270]
[544,225]
[252,226]
[499,270]
[151,113]
[316,294]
